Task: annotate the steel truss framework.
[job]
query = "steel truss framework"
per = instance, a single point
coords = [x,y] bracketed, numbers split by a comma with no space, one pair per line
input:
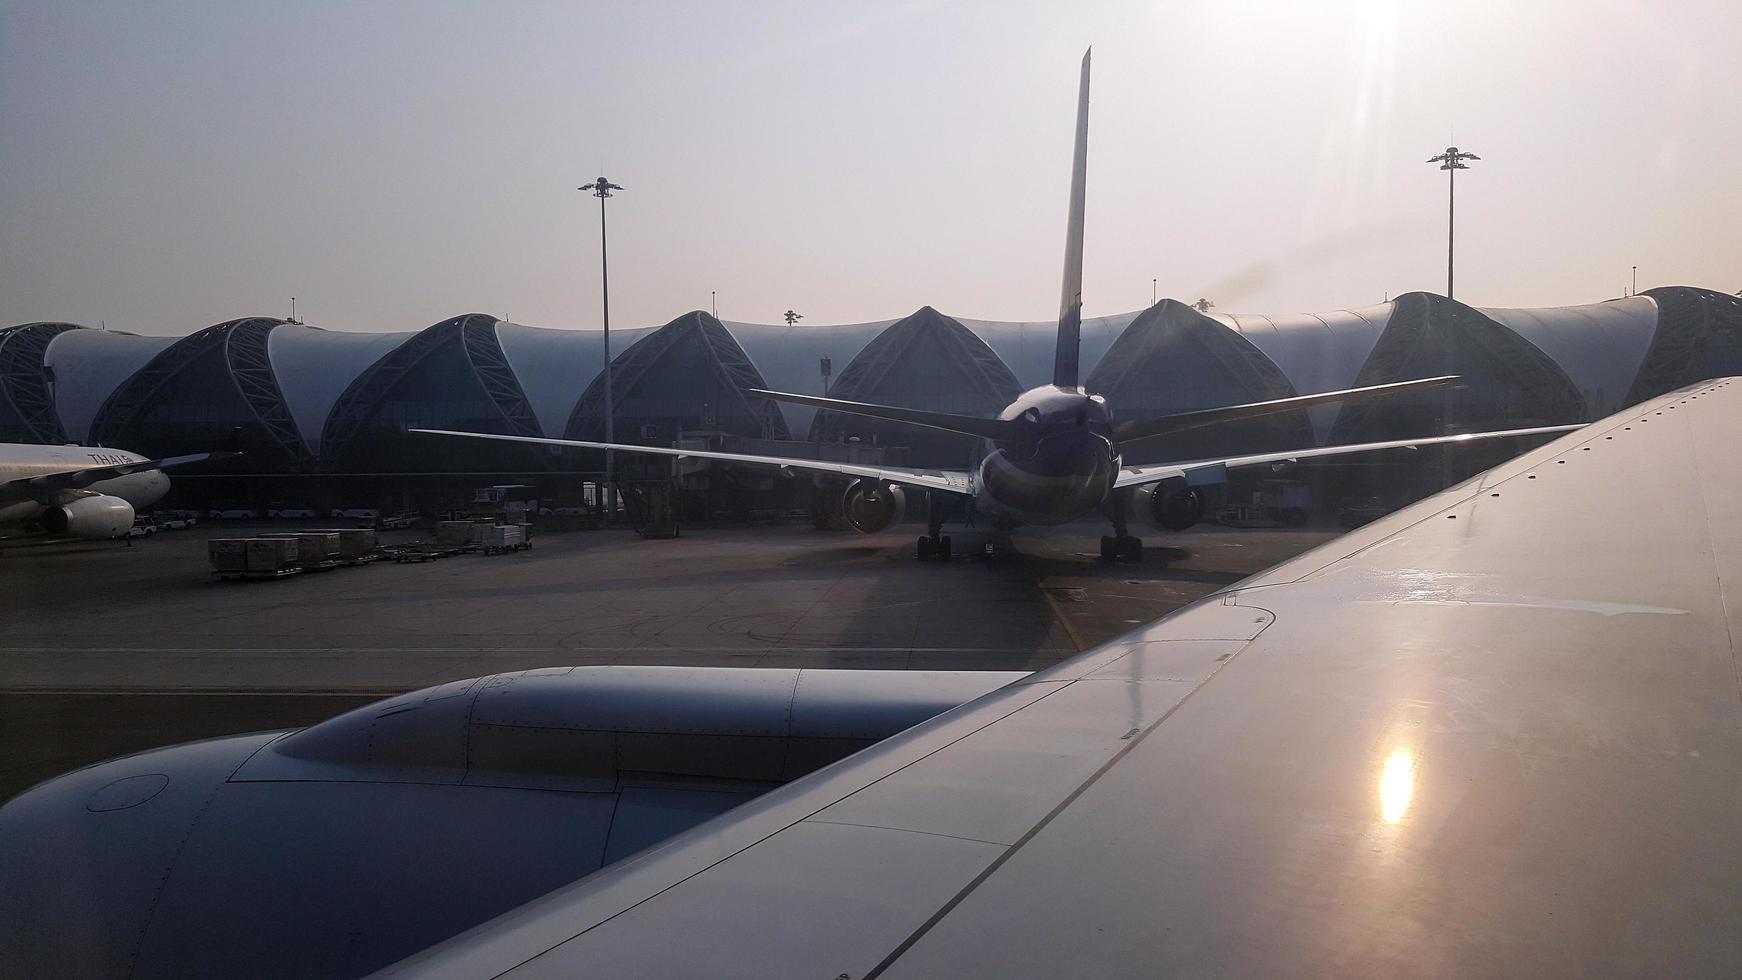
[243,346]
[476,335]
[1424,325]
[27,410]
[868,376]
[1689,321]
[1171,330]
[1698,333]
[731,366]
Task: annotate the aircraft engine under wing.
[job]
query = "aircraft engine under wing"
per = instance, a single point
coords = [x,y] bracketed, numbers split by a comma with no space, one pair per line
[338,849]
[1496,733]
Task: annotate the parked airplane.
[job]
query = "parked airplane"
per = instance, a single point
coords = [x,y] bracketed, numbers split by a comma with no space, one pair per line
[1054,454]
[1492,734]
[80,491]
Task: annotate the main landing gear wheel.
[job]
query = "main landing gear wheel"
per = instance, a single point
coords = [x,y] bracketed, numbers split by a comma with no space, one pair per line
[934,546]
[1122,548]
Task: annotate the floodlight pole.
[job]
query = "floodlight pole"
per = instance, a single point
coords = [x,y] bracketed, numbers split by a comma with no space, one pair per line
[1451,162]
[601,189]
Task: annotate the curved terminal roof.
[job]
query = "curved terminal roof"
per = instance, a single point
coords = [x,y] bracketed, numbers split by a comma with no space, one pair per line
[555,366]
[1172,358]
[298,385]
[1506,379]
[1317,351]
[1027,346]
[27,412]
[88,366]
[926,361]
[1599,345]
[691,373]
[789,357]
[453,375]
[315,366]
[1698,336]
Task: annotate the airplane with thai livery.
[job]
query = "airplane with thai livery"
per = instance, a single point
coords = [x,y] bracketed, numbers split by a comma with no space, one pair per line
[81,491]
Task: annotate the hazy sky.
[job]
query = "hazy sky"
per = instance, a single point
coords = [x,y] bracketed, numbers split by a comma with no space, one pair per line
[165,166]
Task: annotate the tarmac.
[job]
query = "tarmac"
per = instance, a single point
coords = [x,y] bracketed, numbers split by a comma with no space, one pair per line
[110,649]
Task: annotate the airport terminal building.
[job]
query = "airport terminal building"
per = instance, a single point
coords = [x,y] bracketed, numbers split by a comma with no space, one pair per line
[311,407]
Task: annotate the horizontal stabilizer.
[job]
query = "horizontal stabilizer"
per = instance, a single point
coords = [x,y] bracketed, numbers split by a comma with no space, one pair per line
[966,424]
[1168,425]
[948,481]
[1136,476]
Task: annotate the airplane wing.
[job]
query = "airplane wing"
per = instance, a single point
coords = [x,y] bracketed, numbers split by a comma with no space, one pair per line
[1495,733]
[80,479]
[1202,471]
[1186,421]
[947,481]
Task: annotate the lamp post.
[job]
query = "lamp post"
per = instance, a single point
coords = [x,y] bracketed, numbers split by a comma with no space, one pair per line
[601,189]
[1451,161]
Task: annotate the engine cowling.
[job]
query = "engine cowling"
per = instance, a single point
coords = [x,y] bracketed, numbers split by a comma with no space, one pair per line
[870,505]
[1168,506]
[100,517]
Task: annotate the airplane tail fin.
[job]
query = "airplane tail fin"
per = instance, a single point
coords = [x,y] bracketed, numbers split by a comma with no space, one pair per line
[1064,366]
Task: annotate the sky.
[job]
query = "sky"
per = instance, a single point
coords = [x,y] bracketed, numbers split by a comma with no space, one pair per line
[171,165]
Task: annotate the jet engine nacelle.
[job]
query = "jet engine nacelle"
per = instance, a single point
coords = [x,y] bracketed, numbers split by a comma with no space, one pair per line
[1169,505]
[100,517]
[870,505]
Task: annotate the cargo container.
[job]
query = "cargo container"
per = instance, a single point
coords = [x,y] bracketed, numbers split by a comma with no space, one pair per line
[356,543]
[459,534]
[504,537]
[228,554]
[272,556]
[314,548]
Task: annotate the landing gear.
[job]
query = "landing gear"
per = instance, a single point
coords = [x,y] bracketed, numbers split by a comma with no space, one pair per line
[934,546]
[934,543]
[1121,546]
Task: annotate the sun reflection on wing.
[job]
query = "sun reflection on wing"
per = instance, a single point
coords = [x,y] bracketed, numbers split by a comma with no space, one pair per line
[1396,786]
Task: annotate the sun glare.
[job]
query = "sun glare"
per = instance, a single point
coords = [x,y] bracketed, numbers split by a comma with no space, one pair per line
[1396,786]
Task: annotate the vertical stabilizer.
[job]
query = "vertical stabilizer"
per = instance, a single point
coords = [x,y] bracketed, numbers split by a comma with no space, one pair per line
[1064,364]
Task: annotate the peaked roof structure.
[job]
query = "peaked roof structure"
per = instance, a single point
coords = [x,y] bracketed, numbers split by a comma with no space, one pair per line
[304,398]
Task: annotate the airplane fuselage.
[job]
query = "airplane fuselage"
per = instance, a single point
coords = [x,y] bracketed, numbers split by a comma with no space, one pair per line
[1064,471]
[22,462]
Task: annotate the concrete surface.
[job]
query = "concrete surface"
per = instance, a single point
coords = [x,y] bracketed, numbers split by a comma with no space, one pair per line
[109,649]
